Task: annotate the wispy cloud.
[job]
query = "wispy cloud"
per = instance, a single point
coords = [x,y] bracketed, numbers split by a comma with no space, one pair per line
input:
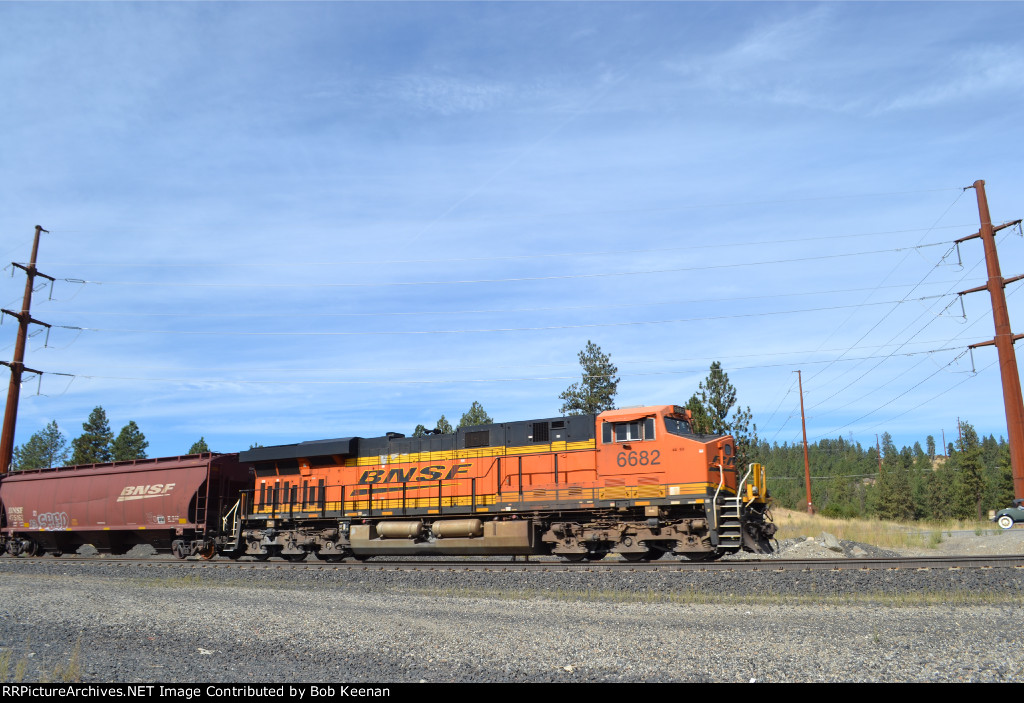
[983,72]
[448,95]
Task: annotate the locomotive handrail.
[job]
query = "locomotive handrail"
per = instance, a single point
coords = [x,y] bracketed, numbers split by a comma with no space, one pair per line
[714,502]
[743,483]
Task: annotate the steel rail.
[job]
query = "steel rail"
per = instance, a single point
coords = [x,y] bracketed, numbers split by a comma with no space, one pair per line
[987,561]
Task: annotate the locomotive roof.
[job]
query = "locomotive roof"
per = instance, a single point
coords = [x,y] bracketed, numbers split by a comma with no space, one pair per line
[572,428]
[318,447]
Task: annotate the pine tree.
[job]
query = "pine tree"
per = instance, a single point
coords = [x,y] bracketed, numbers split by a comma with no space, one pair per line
[130,443]
[717,396]
[476,415]
[596,390]
[93,445]
[420,431]
[938,489]
[444,427]
[895,500]
[699,419]
[969,481]
[199,447]
[44,449]
[710,408]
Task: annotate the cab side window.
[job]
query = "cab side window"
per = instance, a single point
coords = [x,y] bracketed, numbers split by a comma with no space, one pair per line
[632,431]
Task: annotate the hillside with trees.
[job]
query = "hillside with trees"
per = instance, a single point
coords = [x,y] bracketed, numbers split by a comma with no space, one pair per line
[909,483]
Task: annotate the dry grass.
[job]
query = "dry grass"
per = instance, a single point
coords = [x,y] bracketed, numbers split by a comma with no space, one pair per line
[62,672]
[891,535]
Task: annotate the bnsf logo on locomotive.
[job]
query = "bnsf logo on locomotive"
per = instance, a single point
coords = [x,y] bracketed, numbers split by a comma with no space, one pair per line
[154,490]
[427,473]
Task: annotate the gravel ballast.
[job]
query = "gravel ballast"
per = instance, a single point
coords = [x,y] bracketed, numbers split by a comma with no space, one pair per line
[182,624]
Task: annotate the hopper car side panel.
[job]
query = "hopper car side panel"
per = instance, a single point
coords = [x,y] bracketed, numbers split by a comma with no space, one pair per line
[118,505]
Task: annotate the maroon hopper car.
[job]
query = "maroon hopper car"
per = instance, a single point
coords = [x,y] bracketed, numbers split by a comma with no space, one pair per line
[170,503]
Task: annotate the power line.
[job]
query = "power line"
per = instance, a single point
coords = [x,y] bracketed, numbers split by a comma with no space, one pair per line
[541,328]
[894,399]
[392,381]
[891,271]
[926,325]
[375,284]
[480,259]
[959,334]
[627,362]
[491,311]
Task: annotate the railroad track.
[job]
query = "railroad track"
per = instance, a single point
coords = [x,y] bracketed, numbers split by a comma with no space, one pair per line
[988,561]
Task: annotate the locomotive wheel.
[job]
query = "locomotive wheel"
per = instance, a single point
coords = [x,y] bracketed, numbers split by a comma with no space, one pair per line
[329,558]
[649,555]
[704,556]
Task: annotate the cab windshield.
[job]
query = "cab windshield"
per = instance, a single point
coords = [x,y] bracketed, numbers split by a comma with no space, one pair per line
[678,426]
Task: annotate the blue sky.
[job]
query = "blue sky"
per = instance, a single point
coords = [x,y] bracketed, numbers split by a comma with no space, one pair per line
[310,220]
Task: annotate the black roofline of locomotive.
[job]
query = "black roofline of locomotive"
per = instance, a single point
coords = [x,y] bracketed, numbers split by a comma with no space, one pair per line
[572,428]
[319,447]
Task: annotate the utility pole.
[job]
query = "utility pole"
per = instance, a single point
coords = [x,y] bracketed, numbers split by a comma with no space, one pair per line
[17,365]
[1004,338]
[807,463]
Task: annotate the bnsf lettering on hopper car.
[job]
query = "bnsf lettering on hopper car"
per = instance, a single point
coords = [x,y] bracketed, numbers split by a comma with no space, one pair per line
[150,491]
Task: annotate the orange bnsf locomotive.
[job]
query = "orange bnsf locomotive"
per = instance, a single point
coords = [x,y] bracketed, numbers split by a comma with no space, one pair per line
[635,482]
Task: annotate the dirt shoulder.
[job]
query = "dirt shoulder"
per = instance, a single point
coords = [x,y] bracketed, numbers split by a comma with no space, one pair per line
[953,542]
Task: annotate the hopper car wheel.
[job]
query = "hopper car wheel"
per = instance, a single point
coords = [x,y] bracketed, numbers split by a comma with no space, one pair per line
[260,557]
[31,549]
[57,552]
[595,556]
[178,549]
[295,558]
[1005,522]
[209,552]
[573,557]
